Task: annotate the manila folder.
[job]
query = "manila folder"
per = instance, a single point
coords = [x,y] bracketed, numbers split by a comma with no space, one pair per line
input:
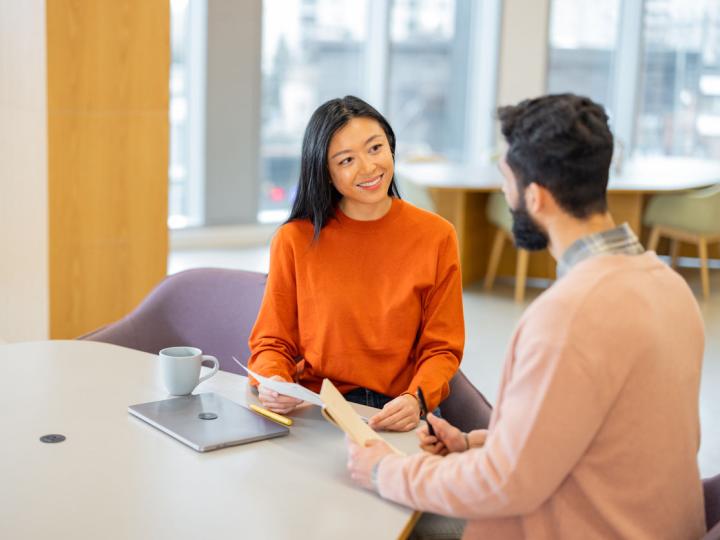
[338,411]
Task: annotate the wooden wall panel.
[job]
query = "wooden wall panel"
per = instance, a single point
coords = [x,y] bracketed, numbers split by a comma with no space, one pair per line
[108,55]
[108,73]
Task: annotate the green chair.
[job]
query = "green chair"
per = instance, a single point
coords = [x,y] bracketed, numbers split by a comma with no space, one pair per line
[417,194]
[692,217]
[498,213]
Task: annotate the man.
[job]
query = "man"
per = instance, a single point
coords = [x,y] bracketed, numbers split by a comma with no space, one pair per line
[596,429]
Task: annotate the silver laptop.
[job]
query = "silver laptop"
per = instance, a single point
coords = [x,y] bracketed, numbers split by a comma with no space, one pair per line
[207,421]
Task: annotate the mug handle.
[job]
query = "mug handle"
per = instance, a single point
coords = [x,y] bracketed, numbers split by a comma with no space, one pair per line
[216,366]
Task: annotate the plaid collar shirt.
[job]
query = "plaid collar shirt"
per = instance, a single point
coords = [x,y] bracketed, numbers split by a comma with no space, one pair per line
[620,240]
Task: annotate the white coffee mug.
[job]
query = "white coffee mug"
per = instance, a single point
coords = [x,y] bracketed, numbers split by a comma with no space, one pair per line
[180,369]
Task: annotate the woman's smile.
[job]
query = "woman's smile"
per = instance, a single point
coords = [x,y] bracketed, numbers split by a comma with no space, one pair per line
[372,184]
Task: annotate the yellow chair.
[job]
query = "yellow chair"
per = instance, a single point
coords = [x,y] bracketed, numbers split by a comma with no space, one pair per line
[498,213]
[692,217]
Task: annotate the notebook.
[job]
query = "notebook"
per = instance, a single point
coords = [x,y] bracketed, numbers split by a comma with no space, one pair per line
[207,421]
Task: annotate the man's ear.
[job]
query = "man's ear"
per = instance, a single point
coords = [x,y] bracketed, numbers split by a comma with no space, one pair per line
[538,199]
[533,197]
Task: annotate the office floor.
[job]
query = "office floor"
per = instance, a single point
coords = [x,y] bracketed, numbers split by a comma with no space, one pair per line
[489,322]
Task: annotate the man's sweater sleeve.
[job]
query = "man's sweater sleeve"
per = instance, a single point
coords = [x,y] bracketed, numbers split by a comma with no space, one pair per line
[442,335]
[274,339]
[553,406]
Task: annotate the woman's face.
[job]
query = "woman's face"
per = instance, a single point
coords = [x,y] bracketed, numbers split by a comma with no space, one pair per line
[361,166]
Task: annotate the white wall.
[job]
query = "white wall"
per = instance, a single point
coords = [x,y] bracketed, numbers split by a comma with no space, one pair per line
[232,121]
[523,50]
[24,300]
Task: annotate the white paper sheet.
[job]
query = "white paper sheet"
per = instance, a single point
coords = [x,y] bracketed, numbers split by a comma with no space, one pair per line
[285,388]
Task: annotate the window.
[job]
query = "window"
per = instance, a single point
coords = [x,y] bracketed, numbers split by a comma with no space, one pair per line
[679,112]
[655,64]
[312,51]
[414,60]
[428,57]
[187,101]
[408,58]
[583,35]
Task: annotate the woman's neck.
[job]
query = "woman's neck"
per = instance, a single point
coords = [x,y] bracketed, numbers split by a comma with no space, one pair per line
[365,212]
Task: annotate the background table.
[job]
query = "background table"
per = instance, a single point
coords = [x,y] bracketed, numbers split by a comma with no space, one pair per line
[117,477]
[460,194]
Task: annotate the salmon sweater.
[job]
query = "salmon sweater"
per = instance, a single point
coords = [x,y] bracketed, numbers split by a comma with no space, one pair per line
[373,304]
[596,429]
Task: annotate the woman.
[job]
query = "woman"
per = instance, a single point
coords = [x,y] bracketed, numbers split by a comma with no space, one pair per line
[363,288]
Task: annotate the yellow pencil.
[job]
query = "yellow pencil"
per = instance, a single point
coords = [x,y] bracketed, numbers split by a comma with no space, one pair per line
[280,419]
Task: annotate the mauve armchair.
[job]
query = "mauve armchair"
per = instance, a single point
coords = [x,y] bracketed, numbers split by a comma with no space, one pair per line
[711,489]
[465,407]
[213,309]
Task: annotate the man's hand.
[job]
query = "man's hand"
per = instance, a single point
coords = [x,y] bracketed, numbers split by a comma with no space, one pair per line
[362,460]
[400,414]
[277,402]
[447,437]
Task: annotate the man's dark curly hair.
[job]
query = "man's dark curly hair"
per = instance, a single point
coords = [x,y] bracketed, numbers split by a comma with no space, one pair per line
[563,143]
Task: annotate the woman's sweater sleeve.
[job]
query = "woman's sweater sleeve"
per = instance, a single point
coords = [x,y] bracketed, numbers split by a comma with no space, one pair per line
[274,339]
[442,334]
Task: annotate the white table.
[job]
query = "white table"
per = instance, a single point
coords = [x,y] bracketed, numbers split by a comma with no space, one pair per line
[117,477]
[460,195]
[655,174]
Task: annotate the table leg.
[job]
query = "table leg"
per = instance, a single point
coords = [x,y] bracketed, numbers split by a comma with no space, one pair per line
[466,211]
[627,207]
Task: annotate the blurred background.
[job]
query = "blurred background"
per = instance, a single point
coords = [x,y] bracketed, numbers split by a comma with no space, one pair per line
[656,62]
[140,138]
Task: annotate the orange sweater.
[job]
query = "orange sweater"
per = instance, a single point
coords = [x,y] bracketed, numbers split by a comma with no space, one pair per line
[373,304]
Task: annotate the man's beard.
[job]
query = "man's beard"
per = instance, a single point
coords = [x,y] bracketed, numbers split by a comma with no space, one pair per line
[527,234]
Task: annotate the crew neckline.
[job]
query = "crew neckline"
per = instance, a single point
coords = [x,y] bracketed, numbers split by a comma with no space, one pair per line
[349,223]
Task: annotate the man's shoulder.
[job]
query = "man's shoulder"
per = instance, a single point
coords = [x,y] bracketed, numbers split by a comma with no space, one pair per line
[606,275]
[605,317]
[612,291]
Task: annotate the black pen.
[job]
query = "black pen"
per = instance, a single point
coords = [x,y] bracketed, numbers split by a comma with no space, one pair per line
[423,410]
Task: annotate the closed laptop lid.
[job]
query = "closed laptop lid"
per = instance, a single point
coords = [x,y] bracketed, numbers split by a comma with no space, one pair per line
[207,421]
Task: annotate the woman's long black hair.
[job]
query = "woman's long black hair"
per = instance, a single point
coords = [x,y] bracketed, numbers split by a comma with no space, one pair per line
[317,198]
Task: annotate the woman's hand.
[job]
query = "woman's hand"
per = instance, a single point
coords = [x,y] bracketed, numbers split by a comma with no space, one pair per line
[400,414]
[275,401]
[447,437]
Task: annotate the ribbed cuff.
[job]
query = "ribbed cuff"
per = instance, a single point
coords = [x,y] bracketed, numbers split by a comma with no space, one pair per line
[374,474]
